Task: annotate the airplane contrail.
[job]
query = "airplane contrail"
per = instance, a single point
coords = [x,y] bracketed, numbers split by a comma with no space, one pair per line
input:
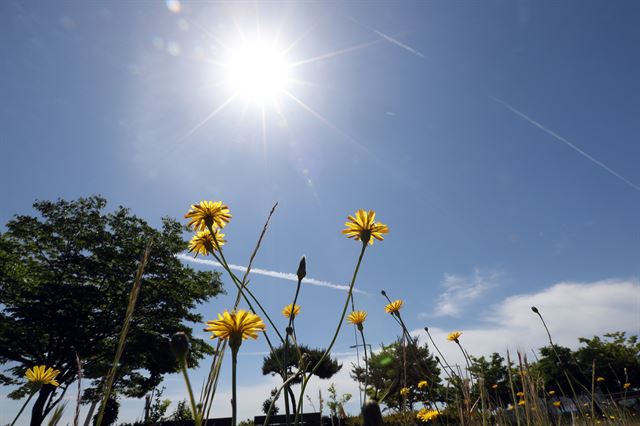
[398,43]
[275,274]
[566,142]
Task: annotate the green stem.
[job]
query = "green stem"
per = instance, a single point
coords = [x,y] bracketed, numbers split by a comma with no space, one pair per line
[335,334]
[234,405]
[194,408]
[24,405]
[366,365]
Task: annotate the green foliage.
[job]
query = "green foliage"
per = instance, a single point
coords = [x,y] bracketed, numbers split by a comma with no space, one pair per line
[182,412]
[335,403]
[327,368]
[386,372]
[616,357]
[110,413]
[65,278]
[494,372]
[157,407]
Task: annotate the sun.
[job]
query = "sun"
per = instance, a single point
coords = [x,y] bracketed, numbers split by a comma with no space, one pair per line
[258,71]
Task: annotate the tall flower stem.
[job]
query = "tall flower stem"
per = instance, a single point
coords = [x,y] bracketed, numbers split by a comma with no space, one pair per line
[335,334]
[194,408]
[133,297]
[366,364]
[234,399]
[24,406]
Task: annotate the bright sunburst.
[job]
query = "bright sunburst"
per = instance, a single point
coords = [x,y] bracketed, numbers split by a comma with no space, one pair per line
[257,71]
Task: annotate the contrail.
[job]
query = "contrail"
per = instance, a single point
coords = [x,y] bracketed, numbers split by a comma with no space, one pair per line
[275,274]
[390,39]
[566,142]
[398,43]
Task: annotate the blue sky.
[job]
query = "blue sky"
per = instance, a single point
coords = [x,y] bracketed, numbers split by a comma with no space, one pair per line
[423,112]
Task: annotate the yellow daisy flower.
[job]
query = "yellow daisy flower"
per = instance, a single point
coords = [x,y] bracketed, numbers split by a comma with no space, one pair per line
[454,336]
[600,379]
[425,414]
[422,384]
[363,227]
[203,243]
[626,385]
[357,317]
[290,309]
[551,393]
[208,214]
[404,391]
[239,325]
[521,402]
[42,375]
[394,307]
[520,394]
[556,403]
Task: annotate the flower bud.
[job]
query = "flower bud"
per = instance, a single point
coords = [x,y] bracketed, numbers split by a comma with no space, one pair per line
[384,293]
[426,329]
[289,331]
[180,346]
[534,309]
[302,269]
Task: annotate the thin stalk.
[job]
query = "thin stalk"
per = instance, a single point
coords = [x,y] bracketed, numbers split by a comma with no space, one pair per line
[366,364]
[194,408]
[133,297]
[335,334]
[234,399]
[76,417]
[24,405]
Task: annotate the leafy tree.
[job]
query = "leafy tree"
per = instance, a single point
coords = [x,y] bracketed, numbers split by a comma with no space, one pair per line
[65,278]
[558,369]
[182,412]
[327,368]
[386,372]
[495,375]
[616,357]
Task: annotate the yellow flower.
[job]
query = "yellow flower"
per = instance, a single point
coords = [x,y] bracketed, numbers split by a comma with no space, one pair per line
[363,227]
[42,375]
[612,417]
[422,384]
[404,391]
[510,407]
[495,386]
[600,379]
[521,394]
[556,403]
[287,311]
[203,243]
[425,414]
[521,402]
[626,385]
[208,214]
[454,336]
[394,307]
[551,393]
[357,317]
[238,325]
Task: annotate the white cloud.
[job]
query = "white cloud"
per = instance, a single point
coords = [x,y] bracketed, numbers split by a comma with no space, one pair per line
[571,310]
[460,291]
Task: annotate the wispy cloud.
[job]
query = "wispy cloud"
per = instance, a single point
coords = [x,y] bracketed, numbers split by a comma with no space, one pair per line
[288,276]
[462,290]
[566,142]
[595,308]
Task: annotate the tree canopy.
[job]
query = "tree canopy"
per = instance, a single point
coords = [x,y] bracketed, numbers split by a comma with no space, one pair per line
[386,374]
[65,278]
